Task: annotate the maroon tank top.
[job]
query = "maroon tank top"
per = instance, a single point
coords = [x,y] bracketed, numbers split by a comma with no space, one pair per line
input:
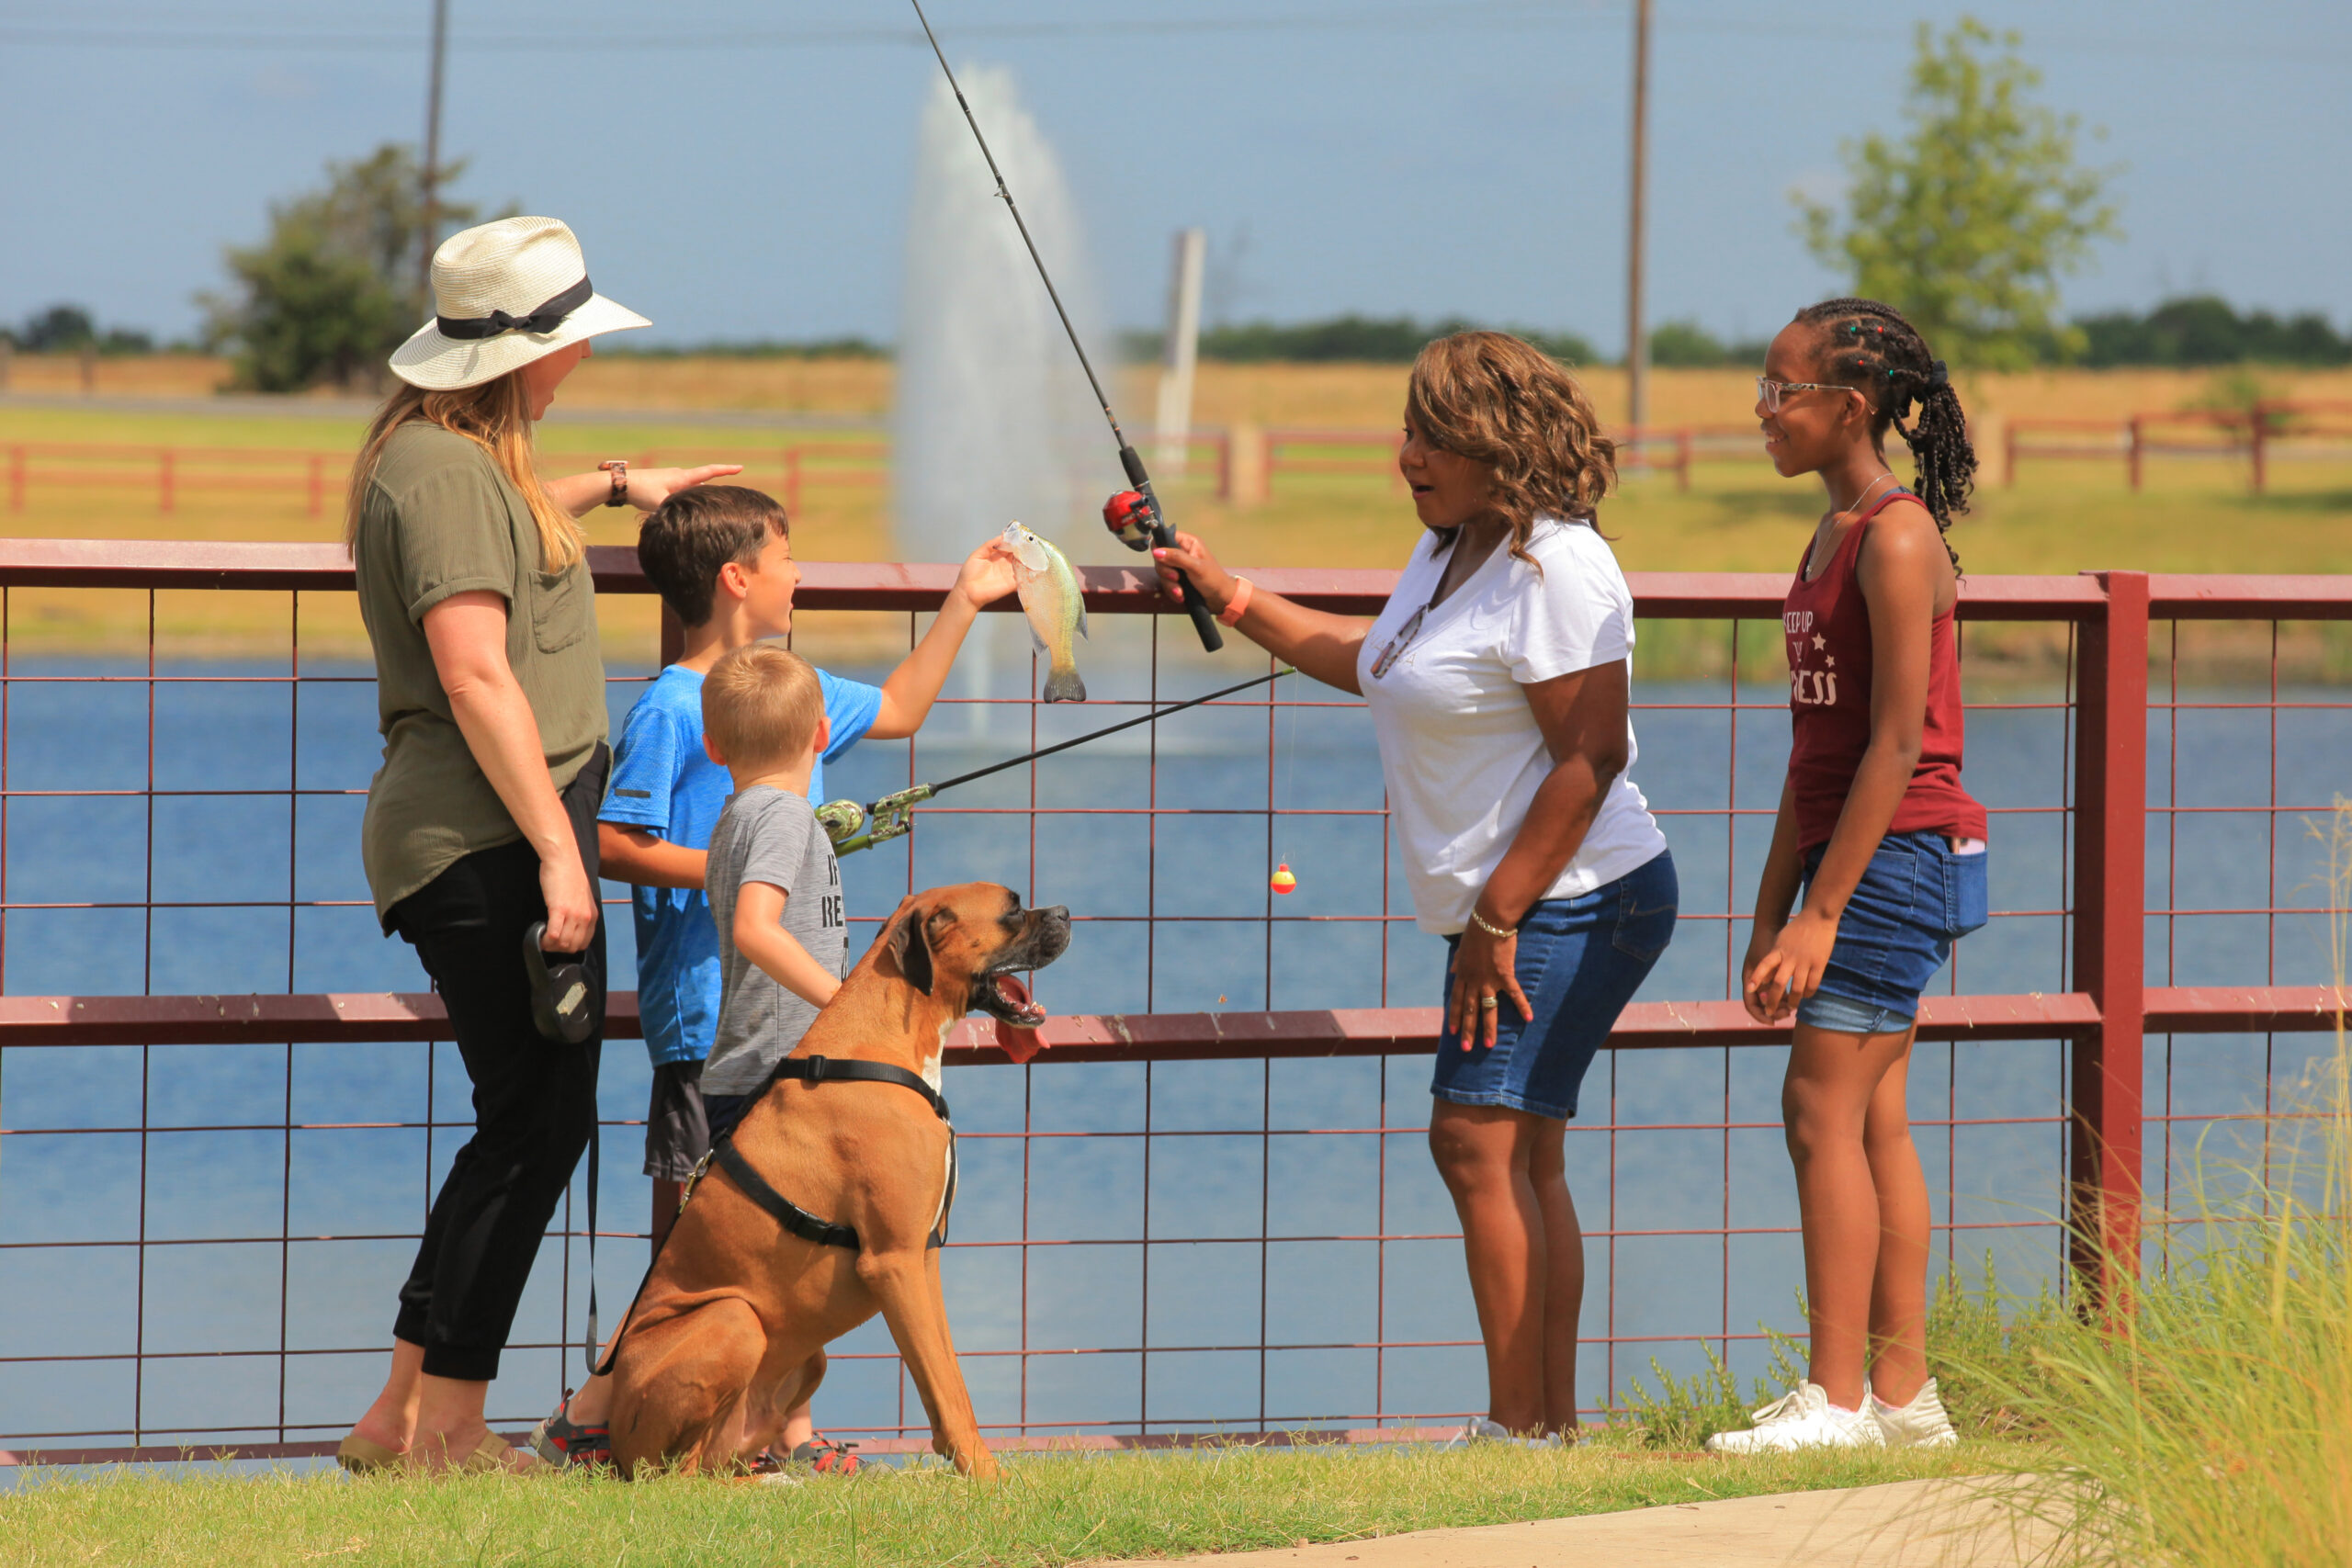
[1825,628]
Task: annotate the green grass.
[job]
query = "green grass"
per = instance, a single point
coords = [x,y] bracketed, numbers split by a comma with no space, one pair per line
[1048,1510]
[2211,1423]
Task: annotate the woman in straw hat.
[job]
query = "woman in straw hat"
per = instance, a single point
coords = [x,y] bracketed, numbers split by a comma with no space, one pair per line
[479,838]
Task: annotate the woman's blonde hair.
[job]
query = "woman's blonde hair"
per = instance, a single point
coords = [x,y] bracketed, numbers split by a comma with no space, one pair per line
[1500,401]
[495,416]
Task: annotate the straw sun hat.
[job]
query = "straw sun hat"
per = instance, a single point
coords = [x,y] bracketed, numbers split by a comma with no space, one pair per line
[504,295]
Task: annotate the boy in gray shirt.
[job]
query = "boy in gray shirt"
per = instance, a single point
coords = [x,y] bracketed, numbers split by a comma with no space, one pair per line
[776,889]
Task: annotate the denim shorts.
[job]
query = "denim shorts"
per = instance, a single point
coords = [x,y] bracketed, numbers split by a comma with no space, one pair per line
[1579,962]
[1914,901]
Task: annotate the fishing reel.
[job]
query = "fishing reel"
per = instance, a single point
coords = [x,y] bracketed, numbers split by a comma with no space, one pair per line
[1130,515]
[852,827]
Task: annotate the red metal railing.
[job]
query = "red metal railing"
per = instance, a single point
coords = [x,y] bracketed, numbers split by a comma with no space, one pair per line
[1069,1200]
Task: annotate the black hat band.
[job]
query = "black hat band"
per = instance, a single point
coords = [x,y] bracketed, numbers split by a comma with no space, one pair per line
[546,319]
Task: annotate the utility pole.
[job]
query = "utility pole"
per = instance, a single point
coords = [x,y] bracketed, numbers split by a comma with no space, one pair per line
[430,218]
[1637,342]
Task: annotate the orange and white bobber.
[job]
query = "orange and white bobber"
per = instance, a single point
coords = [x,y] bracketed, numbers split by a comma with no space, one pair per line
[1282,881]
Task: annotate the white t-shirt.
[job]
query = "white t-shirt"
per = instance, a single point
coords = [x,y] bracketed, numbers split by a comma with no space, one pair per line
[1459,746]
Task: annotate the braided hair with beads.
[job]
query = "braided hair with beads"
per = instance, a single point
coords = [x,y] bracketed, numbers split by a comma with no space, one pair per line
[1871,348]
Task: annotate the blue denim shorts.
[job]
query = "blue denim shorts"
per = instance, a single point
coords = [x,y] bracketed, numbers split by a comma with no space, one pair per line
[1916,899]
[1579,962]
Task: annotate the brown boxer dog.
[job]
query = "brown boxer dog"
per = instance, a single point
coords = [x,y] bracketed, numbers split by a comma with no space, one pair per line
[730,1329]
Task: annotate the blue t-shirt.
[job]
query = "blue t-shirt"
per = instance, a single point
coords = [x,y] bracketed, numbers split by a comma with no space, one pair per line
[666,784]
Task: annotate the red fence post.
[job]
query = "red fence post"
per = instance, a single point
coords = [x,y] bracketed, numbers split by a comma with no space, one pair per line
[2110,899]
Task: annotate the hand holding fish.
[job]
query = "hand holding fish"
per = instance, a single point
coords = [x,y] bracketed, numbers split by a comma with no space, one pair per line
[988,574]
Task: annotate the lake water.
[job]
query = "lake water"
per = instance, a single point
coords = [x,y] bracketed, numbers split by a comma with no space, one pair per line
[1239,1151]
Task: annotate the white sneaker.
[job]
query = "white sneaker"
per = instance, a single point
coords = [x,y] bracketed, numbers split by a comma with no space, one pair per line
[1482,1430]
[1921,1424]
[1802,1418]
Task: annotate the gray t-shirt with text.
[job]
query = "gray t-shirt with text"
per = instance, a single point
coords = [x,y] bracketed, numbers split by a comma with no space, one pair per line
[769,835]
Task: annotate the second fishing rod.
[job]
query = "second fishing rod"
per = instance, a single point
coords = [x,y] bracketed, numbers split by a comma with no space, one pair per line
[852,827]
[1142,524]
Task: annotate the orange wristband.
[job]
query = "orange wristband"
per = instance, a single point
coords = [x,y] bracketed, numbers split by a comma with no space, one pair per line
[1231,616]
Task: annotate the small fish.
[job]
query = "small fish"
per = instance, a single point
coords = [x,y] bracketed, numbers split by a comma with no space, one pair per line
[1048,590]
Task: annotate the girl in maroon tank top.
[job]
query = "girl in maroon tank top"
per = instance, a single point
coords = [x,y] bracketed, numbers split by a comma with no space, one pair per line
[1883,842]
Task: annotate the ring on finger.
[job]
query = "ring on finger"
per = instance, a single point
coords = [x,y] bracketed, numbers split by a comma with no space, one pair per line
[1488,1003]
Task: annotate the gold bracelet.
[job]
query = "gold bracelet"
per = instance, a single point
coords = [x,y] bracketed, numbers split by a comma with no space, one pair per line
[1499,933]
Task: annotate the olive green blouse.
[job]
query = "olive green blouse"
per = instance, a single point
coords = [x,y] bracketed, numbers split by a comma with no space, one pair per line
[439,517]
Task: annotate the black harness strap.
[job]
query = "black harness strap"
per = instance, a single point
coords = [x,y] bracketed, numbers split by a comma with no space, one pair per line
[788,1213]
[842,1069]
[783,1211]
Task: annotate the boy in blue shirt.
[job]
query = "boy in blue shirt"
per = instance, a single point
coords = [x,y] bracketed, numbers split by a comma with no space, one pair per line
[720,555]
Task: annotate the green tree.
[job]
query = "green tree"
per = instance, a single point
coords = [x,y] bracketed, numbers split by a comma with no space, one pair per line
[333,290]
[1968,221]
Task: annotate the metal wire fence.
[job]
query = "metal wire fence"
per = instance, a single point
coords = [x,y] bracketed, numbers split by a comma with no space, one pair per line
[224,1108]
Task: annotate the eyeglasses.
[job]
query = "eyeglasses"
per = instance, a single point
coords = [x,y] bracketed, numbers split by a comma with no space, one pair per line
[1395,646]
[1769,392]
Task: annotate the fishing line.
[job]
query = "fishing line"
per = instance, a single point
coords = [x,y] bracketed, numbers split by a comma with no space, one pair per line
[1150,528]
[852,827]
[1283,881]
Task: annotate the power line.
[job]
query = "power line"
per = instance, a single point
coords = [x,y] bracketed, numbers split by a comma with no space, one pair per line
[1489,14]
[1493,16]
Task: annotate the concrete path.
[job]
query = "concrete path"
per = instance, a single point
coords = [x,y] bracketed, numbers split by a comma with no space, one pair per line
[1907,1524]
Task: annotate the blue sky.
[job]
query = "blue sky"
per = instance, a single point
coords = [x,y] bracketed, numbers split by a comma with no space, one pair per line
[742,170]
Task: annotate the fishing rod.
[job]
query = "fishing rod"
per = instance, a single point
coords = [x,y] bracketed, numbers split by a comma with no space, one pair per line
[1142,526]
[852,827]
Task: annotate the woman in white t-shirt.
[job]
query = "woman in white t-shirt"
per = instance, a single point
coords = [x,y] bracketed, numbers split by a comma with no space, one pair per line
[1498,679]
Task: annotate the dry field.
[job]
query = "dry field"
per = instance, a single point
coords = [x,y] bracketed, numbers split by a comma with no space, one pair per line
[2194,516]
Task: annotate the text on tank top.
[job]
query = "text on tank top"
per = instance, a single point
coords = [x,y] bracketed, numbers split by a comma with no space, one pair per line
[1826,630]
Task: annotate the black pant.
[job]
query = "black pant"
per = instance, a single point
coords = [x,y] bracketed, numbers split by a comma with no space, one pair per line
[535,1098]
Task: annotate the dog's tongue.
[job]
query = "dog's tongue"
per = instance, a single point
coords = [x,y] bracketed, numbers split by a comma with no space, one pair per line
[1020,1042]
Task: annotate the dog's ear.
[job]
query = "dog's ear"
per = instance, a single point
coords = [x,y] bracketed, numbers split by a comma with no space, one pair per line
[909,944]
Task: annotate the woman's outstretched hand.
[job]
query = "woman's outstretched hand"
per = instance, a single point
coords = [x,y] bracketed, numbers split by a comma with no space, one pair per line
[1192,557]
[1484,966]
[649,488]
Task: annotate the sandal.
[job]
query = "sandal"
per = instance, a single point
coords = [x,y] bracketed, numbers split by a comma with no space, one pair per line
[492,1454]
[561,1442]
[362,1457]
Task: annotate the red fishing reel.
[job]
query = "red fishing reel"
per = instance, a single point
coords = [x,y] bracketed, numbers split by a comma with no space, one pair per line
[1129,515]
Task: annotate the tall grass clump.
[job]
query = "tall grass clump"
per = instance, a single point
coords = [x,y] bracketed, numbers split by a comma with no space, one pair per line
[2208,1420]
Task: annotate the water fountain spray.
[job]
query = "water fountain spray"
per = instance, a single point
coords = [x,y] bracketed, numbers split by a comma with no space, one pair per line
[1145,525]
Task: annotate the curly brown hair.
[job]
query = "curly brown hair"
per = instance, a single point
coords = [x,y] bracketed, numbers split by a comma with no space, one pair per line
[1500,401]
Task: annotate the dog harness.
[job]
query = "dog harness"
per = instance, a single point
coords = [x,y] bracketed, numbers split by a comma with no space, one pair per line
[788,1213]
[791,1215]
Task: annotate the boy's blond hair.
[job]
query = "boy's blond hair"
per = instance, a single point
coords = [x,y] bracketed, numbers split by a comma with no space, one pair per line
[761,705]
